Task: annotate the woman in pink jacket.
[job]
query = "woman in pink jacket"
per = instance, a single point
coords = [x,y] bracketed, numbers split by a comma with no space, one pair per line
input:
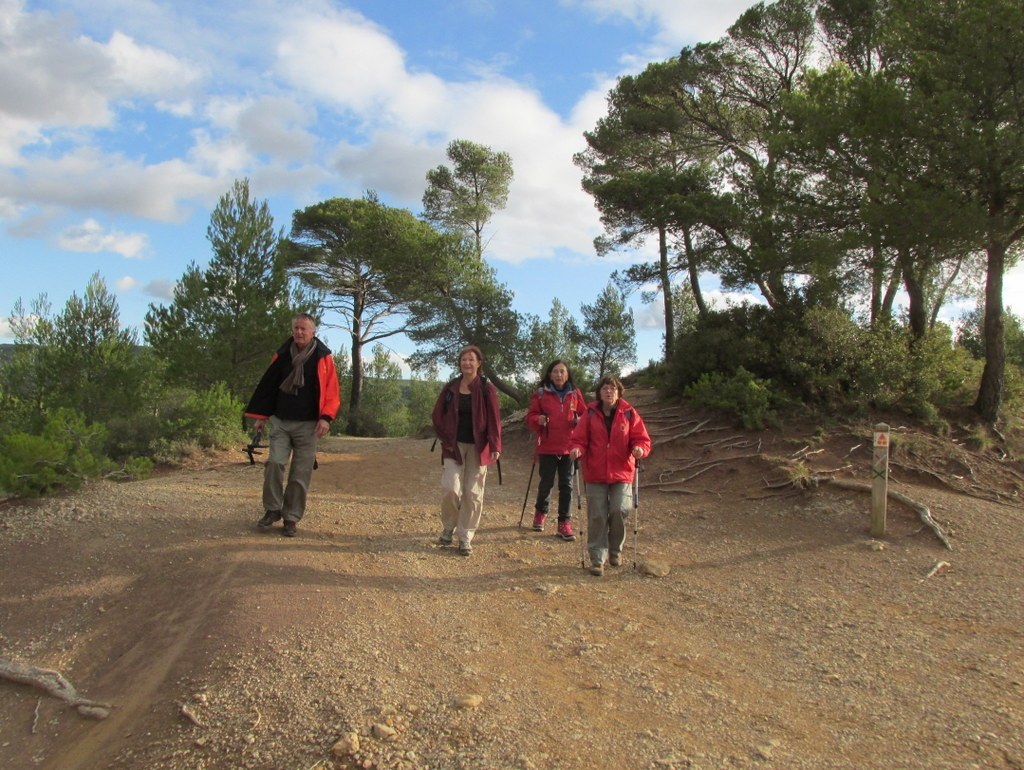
[610,438]
[554,410]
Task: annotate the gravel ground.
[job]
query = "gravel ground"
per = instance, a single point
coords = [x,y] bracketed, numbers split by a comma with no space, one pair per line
[781,636]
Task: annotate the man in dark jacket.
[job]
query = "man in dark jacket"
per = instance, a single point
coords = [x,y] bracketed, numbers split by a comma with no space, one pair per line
[298,396]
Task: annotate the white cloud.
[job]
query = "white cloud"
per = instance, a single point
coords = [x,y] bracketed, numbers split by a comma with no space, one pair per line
[161,288]
[53,79]
[87,179]
[677,22]
[407,119]
[141,69]
[343,58]
[90,237]
[5,329]
[125,283]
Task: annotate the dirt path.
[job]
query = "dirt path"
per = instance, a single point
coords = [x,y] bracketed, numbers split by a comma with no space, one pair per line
[782,637]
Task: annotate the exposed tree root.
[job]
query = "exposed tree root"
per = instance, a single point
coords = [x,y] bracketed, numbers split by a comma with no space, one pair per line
[698,428]
[921,509]
[817,479]
[53,684]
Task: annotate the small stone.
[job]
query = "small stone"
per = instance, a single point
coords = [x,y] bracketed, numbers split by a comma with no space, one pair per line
[468,701]
[383,732]
[347,745]
[653,568]
[546,589]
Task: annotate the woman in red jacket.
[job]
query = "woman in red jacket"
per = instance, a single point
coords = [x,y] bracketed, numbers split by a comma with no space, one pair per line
[467,421]
[554,410]
[610,437]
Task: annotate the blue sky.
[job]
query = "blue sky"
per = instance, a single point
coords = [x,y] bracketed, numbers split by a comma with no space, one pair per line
[123,121]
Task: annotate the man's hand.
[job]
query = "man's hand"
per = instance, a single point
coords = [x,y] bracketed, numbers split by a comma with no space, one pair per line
[638,452]
[322,427]
[575,453]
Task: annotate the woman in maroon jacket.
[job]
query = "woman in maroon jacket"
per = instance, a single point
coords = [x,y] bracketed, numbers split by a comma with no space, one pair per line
[467,421]
[610,437]
[554,410]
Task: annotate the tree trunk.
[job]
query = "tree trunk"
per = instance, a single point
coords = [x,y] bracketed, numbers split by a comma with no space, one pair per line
[356,394]
[666,291]
[694,273]
[504,386]
[877,279]
[940,297]
[990,391]
[917,311]
[890,294]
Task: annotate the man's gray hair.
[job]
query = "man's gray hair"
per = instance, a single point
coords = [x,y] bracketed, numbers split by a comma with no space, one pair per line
[307,317]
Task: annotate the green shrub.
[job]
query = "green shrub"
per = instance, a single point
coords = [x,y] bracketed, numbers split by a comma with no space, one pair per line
[209,418]
[824,358]
[68,452]
[741,394]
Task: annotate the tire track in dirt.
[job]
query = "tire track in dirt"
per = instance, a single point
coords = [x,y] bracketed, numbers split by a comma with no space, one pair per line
[140,673]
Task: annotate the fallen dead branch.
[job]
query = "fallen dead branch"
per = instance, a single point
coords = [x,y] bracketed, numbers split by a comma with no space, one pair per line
[805,452]
[921,509]
[923,513]
[936,568]
[53,683]
[664,409]
[663,484]
[675,437]
[715,442]
[187,713]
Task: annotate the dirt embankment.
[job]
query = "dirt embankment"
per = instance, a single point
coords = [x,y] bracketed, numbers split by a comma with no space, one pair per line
[782,636]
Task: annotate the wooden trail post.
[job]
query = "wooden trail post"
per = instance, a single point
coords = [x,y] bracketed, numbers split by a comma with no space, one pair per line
[879,479]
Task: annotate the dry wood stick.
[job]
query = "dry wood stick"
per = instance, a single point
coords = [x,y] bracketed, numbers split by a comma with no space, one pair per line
[53,684]
[692,476]
[935,568]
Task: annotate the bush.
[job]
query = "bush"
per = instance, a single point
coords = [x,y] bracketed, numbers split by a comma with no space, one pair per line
[826,359]
[68,452]
[740,394]
[205,419]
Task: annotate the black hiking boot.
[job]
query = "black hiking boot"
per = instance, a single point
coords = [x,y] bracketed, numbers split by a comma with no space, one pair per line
[268,519]
[289,529]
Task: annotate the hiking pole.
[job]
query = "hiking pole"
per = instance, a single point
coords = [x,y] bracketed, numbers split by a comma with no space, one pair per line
[579,510]
[636,510]
[527,497]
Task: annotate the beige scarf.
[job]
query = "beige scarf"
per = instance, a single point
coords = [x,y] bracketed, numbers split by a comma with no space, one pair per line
[297,378]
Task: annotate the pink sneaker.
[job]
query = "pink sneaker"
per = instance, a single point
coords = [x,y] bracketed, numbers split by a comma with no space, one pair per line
[565,530]
[538,521]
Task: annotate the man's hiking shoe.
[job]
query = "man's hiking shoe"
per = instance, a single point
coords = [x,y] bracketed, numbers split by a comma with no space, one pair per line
[615,560]
[446,538]
[538,521]
[289,529]
[268,519]
[565,530]
[465,549]
[597,570]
